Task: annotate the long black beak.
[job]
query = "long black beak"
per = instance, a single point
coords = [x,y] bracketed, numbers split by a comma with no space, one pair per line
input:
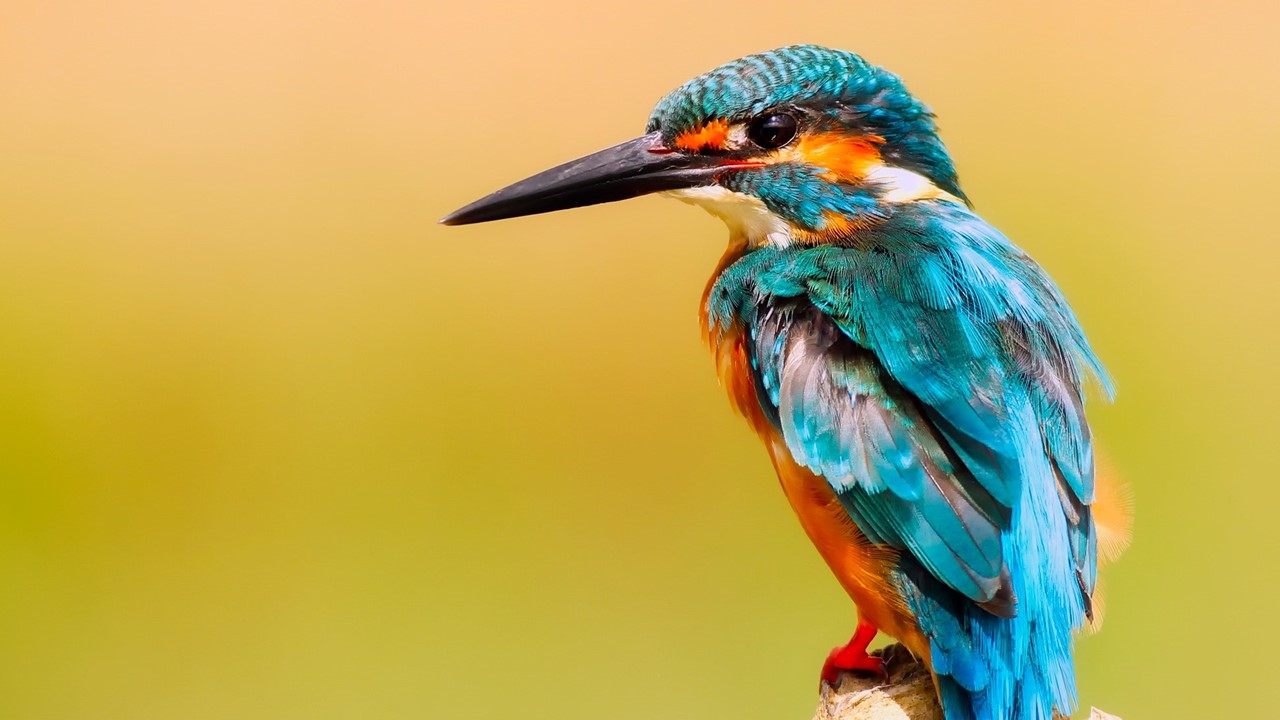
[636,167]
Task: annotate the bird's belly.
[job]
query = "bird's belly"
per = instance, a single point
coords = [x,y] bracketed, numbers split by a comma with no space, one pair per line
[862,567]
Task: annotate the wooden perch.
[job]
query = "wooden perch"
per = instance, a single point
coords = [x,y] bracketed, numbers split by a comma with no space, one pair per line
[908,695]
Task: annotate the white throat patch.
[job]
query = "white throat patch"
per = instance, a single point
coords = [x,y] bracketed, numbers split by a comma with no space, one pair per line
[745,215]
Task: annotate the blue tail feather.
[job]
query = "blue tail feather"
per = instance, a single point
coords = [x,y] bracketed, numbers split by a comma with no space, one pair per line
[997,668]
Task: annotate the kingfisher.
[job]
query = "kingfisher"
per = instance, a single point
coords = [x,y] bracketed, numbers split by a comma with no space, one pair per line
[917,379]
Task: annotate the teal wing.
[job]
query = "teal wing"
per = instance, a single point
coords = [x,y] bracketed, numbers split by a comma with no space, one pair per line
[926,374]
[844,417]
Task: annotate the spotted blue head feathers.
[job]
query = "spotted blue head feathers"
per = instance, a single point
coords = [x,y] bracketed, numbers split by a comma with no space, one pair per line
[830,91]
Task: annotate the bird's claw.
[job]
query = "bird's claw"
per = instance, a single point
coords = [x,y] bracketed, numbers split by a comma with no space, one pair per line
[841,660]
[853,656]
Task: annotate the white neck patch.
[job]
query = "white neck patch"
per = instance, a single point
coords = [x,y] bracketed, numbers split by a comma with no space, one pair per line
[899,185]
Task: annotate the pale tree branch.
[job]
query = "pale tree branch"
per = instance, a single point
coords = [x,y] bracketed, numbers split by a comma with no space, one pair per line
[908,695]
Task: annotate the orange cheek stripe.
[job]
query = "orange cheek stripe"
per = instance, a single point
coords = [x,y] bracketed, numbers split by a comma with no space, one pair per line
[848,158]
[711,136]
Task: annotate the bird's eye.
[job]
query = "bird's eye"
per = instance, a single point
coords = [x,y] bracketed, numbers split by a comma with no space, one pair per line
[773,130]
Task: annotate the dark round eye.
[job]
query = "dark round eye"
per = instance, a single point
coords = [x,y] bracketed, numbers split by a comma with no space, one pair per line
[772,131]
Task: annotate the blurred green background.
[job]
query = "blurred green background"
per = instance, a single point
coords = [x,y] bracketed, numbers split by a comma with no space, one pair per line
[273,444]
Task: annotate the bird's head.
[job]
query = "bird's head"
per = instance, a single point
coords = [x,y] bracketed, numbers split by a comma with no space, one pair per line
[799,144]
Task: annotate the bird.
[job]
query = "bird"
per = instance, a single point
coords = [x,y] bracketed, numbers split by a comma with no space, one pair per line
[917,380]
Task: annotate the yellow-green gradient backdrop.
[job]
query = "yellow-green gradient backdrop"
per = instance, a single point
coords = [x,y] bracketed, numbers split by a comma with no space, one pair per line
[273,444]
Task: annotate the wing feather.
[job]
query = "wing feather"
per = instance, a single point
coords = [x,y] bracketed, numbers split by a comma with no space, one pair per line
[927,372]
[845,419]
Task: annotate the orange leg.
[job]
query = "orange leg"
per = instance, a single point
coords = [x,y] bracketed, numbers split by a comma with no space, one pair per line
[853,656]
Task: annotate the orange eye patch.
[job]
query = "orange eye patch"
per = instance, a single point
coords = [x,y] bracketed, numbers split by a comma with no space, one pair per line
[711,136]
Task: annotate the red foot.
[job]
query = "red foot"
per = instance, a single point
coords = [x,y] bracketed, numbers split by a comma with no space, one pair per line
[853,656]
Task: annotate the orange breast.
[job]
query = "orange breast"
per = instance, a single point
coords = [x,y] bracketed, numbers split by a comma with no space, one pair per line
[861,566]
